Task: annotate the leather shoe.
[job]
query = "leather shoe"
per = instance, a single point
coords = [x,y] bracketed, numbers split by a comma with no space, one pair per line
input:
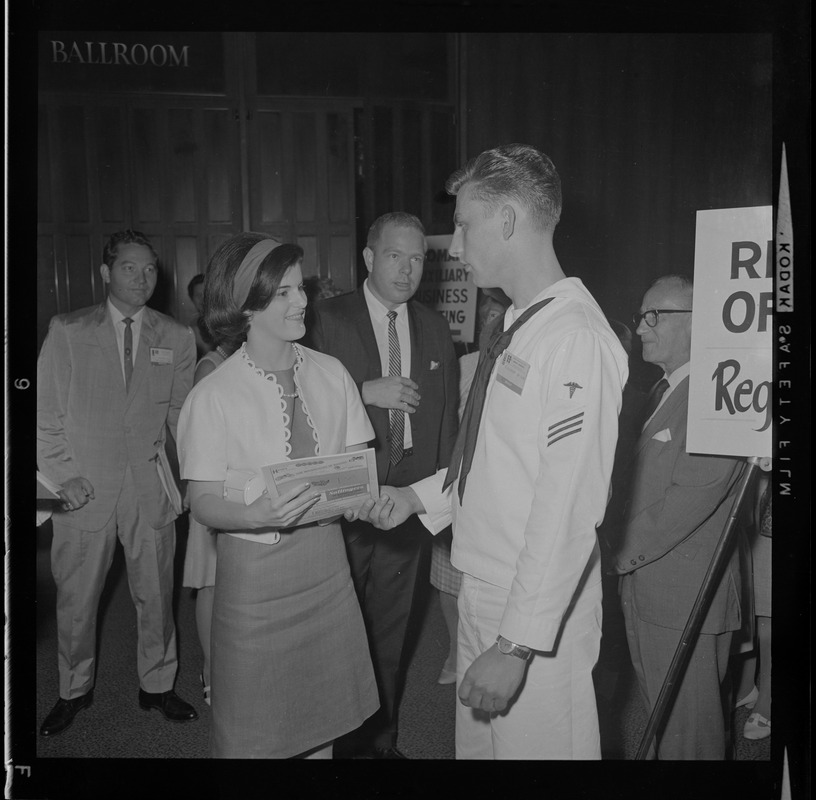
[387,752]
[63,713]
[169,703]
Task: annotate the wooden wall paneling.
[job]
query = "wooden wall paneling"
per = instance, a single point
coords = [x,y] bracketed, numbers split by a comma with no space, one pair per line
[321,222]
[184,164]
[220,168]
[341,261]
[441,162]
[644,130]
[340,247]
[72,155]
[304,126]
[188,263]
[426,150]
[311,254]
[380,178]
[146,153]
[339,159]
[267,177]
[112,183]
[81,266]
[45,167]
[411,166]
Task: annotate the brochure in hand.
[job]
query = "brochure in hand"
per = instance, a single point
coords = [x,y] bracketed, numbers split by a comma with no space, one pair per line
[345,481]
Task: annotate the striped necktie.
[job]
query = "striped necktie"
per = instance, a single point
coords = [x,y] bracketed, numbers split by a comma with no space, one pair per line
[465,445]
[397,417]
[128,352]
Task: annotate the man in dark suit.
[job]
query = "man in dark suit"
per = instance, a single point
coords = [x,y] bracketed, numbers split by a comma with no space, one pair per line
[111,379]
[401,356]
[677,510]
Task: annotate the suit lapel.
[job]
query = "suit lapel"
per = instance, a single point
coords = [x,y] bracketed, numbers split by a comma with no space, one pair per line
[366,331]
[147,337]
[106,339]
[678,396]
[415,330]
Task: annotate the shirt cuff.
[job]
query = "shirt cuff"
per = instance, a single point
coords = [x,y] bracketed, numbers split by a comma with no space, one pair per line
[518,630]
[437,502]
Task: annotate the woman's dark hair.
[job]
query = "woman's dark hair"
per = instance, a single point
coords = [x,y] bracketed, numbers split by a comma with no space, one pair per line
[222,316]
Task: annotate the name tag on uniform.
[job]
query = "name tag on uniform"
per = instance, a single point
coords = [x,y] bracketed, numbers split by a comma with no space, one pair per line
[512,372]
[161,355]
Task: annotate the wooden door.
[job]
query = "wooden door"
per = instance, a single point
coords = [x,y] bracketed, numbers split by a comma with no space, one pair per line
[166,168]
[301,182]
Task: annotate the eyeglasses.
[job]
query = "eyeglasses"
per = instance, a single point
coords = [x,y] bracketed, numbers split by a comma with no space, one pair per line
[652,316]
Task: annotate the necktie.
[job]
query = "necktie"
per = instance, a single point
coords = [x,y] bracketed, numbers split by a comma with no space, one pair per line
[395,368]
[128,352]
[469,429]
[653,399]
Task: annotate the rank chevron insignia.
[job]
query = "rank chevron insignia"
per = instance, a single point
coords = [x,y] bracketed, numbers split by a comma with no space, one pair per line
[572,386]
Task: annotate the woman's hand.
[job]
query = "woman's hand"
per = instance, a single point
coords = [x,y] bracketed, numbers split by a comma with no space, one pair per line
[283,511]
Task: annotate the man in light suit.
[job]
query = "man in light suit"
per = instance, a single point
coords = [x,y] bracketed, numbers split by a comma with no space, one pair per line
[677,510]
[111,380]
[420,396]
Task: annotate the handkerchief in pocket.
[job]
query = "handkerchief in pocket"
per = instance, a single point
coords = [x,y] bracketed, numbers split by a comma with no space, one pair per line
[663,436]
[434,365]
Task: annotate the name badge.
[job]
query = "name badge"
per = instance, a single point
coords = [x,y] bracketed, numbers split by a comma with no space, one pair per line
[161,355]
[512,372]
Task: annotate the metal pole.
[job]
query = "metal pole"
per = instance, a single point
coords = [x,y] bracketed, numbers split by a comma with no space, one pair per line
[697,615]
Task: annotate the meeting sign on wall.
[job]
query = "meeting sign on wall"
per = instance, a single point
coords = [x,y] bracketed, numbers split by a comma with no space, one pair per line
[730,407]
[447,288]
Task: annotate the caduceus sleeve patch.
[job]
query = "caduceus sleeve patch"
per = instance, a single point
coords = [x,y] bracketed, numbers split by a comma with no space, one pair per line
[565,427]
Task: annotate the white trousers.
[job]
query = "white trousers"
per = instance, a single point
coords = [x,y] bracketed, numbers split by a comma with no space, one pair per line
[554,715]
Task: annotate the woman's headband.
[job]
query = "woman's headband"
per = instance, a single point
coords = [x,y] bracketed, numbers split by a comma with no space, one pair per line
[249,268]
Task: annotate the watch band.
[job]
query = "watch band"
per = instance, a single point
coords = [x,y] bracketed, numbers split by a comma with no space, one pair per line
[508,648]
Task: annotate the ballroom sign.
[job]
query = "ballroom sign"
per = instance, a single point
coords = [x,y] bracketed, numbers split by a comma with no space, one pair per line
[447,288]
[730,409]
[166,61]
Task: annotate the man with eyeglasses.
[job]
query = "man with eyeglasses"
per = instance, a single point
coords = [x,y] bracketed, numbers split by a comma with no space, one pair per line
[673,520]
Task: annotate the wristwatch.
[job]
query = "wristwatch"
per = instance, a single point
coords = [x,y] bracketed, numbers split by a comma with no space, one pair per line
[508,648]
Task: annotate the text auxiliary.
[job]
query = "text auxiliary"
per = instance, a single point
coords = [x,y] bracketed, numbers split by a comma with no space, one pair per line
[345,481]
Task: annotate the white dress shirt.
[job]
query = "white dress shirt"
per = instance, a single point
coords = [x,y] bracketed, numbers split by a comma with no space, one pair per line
[674,380]
[379,321]
[119,328]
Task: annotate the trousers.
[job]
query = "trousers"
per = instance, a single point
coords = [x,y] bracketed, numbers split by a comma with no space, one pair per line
[80,561]
[554,715]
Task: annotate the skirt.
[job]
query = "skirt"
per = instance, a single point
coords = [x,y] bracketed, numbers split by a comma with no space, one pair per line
[291,668]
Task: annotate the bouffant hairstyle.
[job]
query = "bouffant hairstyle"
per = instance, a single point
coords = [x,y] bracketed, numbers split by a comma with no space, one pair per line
[227,321]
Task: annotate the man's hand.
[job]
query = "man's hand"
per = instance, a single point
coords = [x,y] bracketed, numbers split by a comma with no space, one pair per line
[391,392]
[76,493]
[392,509]
[491,681]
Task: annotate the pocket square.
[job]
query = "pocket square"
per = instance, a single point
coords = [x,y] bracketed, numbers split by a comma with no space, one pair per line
[434,365]
[663,436]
